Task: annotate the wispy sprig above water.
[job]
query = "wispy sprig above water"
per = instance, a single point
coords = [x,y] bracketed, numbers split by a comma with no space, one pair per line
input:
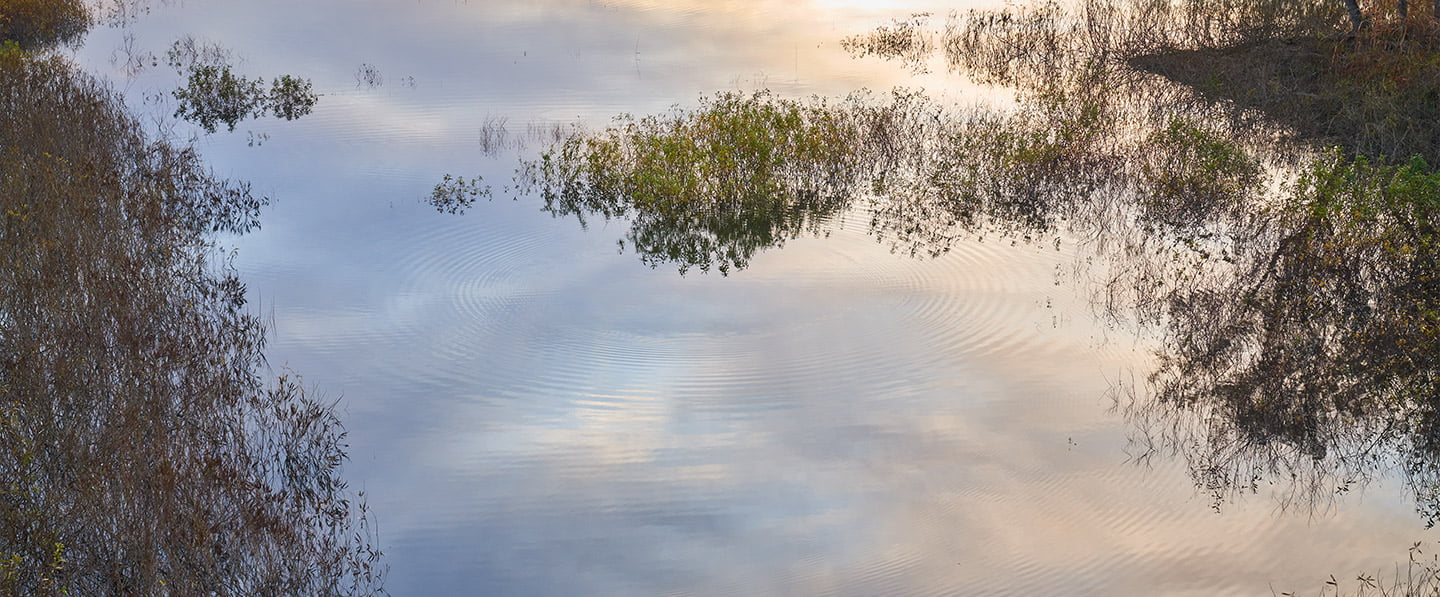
[910,41]
[455,194]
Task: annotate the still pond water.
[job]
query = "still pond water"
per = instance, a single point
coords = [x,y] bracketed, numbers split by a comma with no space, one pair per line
[535,412]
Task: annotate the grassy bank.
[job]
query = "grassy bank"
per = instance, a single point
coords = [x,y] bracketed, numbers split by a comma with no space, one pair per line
[1375,94]
[1294,63]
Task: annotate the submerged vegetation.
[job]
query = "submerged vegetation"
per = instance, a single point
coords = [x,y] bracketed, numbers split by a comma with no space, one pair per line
[1261,185]
[144,448]
[905,39]
[710,187]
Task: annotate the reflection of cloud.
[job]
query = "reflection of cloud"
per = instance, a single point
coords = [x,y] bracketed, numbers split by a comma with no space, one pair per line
[549,61]
[758,10]
[793,429]
[534,414]
[960,473]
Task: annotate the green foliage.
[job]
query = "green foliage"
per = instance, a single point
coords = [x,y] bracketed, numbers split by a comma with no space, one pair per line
[215,95]
[1192,171]
[712,186]
[290,97]
[455,194]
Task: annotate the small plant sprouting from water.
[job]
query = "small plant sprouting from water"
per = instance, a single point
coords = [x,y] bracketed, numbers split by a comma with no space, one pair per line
[494,135]
[907,40]
[368,76]
[189,51]
[214,95]
[1418,577]
[455,194]
[290,97]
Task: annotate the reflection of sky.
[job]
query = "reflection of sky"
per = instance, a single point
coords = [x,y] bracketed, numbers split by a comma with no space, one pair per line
[532,412]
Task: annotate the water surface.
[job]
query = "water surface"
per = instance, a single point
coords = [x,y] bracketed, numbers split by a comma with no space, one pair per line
[535,412]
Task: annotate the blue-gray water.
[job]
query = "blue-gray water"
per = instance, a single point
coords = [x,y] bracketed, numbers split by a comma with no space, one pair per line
[534,412]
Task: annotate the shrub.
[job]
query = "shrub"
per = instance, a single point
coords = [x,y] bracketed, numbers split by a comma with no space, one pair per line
[142,451]
[39,23]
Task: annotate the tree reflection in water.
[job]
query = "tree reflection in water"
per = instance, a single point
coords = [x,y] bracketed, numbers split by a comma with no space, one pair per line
[142,448]
[1311,361]
[1292,287]
[709,188]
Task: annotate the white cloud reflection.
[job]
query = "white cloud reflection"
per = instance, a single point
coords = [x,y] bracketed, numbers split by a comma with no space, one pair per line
[535,414]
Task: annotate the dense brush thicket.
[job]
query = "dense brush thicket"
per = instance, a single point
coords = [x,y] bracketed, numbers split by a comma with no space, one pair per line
[142,448]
